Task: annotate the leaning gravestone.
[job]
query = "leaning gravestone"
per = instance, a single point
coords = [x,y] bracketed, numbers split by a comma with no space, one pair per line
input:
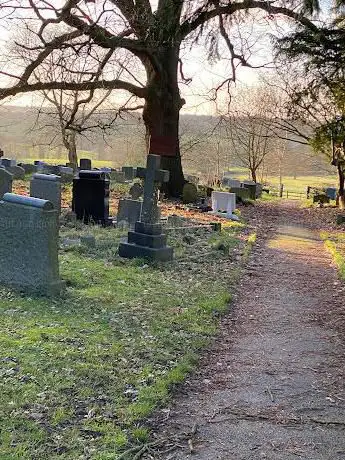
[47,187]
[29,245]
[147,239]
[6,180]
[91,197]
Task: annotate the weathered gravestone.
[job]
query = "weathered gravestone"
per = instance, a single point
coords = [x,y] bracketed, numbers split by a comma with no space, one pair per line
[66,173]
[129,172]
[118,176]
[189,193]
[29,168]
[85,164]
[136,191]
[147,239]
[8,162]
[6,180]
[29,245]
[129,211]
[91,197]
[47,187]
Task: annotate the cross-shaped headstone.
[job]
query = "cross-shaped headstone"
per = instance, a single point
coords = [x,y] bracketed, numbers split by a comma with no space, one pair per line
[153,177]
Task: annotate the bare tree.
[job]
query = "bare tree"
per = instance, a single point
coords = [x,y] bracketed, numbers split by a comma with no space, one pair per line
[135,47]
[249,127]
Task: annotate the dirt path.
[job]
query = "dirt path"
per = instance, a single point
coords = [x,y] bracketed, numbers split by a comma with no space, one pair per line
[272,386]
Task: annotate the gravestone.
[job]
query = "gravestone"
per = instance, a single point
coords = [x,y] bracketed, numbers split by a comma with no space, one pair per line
[51,169]
[129,172]
[28,168]
[118,176]
[147,239]
[8,162]
[6,180]
[47,187]
[66,174]
[189,193]
[229,182]
[241,193]
[136,191]
[91,197]
[16,171]
[85,164]
[129,211]
[224,203]
[29,245]
[331,192]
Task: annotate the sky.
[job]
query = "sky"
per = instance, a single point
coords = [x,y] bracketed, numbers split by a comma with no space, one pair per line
[204,75]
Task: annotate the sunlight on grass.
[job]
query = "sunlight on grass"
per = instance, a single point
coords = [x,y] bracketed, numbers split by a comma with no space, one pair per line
[80,373]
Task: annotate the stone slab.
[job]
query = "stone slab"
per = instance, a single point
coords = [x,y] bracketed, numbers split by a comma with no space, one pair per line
[29,245]
[149,229]
[143,239]
[131,251]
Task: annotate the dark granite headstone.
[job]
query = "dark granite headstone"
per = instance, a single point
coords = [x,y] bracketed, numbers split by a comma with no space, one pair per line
[85,164]
[91,197]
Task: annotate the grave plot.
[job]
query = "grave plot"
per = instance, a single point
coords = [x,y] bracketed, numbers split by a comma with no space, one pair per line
[90,365]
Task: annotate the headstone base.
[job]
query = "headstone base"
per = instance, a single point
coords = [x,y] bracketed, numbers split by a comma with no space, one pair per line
[147,241]
[131,250]
[48,289]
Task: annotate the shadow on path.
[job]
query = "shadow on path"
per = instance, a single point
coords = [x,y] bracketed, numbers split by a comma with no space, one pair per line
[272,385]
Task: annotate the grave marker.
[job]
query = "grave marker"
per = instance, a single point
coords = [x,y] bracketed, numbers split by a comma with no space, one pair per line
[29,245]
[147,239]
[129,211]
[47,187]
[6,180]
[85,164]
[91,197]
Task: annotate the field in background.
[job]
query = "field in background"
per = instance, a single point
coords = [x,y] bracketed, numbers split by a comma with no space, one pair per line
[301,183]
[58,161]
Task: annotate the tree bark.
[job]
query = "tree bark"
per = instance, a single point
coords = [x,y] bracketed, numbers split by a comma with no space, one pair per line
[161,115]
[341,189]
[253,174]
[71,146]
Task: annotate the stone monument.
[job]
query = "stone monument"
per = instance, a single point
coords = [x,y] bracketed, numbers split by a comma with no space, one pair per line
[147,239]
[6,180]
[91,197]
[29,245]
[47,187]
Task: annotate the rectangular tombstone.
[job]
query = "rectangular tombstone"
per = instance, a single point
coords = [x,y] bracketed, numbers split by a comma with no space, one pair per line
[129,211]
[91,197]
[224,202]
[29,245]
[128,172]
[47,187]
[6,180]
[85,164]
[66,174]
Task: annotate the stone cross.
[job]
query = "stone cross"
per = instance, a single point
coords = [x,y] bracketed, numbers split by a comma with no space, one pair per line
[153,177]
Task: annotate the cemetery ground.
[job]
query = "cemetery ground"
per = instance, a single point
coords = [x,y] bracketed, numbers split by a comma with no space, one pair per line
[271,386]
[81,373]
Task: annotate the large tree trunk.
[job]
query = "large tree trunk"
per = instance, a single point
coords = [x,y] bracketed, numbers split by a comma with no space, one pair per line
[161,116]
[341,189]
[253,174]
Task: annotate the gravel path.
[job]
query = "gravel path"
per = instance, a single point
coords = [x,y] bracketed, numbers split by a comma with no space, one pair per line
[272,385]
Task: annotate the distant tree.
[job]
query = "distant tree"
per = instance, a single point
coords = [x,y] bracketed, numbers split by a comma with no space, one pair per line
[142,38]
[249,126]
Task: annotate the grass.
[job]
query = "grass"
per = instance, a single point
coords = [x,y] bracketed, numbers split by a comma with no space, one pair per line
[335,244]
[57,161]
[81,373]
[300,184]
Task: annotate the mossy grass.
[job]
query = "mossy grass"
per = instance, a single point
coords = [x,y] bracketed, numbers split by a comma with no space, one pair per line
[81,372]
